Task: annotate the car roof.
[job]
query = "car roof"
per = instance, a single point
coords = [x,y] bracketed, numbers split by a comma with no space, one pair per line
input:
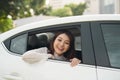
[82,18]
[63,20]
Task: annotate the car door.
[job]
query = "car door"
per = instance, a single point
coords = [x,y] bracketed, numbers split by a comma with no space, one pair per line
[49,69]
[106,41]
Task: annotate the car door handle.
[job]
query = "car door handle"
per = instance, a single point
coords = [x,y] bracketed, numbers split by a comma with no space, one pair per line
[11,77]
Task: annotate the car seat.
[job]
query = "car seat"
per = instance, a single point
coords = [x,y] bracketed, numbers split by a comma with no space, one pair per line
[43,40]
[33,42]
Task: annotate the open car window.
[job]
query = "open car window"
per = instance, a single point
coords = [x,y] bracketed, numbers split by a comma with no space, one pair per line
[43,39]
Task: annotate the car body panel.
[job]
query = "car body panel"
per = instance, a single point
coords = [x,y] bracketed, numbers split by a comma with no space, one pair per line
[14,68]
[95,66]
[108,73]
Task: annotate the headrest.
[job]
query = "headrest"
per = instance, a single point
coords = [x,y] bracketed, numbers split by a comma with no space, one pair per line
[43,40]
[33,42]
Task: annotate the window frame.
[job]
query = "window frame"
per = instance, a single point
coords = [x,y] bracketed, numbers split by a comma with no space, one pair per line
[11,42]
[88,56]
[7,42]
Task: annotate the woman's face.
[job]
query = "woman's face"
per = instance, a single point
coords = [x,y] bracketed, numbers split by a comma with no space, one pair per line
[61,44]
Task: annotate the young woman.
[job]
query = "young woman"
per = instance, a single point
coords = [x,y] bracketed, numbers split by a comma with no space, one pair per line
[61,48]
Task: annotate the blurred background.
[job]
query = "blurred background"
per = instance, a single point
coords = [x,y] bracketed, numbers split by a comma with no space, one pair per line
[14,13]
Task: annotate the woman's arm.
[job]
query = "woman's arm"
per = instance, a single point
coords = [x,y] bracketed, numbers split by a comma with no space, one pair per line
[36,55]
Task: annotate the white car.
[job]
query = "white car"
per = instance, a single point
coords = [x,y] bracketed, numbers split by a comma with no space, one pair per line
[97,43]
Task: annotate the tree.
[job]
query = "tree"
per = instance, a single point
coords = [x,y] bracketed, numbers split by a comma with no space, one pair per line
[7,7]
[17,9]
[21,8]
[47,10]
[38,6]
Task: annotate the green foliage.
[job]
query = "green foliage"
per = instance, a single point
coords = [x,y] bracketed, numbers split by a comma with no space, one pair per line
[47,10]
[69,10]
[20,8]
[7,7]
[62,12]
[17,9]
[5,24]
[38,6]
[77,9]
[72,6]
[23,9]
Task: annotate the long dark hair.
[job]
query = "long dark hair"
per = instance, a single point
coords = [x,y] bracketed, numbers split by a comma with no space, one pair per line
[71,51]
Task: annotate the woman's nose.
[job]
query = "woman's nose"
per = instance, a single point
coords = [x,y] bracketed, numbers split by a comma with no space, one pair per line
[62,44]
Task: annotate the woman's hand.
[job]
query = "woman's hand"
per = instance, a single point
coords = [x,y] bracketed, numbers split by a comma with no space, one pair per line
[74,62]
[51,56]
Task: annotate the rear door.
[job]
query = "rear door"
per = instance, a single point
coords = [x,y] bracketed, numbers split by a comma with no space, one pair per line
[106,39]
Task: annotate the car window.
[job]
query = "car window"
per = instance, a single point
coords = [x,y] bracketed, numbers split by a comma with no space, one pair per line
[111,34]
[43,39]
[18,44]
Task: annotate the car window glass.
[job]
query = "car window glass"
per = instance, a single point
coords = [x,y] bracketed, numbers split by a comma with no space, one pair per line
[18,44]
[111,33]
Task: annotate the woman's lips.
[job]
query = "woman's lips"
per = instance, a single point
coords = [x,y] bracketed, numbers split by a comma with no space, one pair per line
[60,49]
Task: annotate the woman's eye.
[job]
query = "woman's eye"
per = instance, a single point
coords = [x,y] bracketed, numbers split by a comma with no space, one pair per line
[67,43]
[59,40]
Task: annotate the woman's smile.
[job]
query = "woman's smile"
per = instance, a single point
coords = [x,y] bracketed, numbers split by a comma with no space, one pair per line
[60,49]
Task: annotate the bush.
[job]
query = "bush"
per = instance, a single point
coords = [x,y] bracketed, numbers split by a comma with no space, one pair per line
[77,9]
[5,24]
[62,12]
